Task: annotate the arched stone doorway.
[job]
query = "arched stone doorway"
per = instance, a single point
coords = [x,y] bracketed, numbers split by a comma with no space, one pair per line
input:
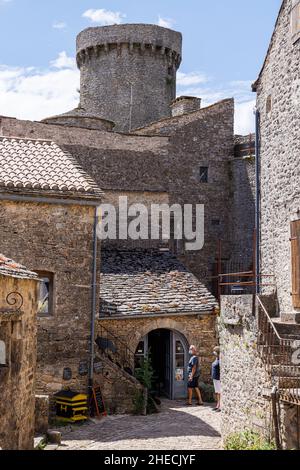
[168,350]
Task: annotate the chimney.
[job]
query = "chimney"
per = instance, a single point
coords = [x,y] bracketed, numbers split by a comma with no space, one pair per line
[185,105]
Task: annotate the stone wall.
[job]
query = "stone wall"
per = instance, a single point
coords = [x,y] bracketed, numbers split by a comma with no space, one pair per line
[198,330]
[56,239]
[119,389]
[278,101]
[243,375]
[17,381]
[243,185]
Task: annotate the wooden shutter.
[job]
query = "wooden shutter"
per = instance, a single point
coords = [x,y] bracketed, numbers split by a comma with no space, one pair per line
[295,241]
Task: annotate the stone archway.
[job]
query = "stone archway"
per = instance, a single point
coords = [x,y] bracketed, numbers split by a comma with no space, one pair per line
[158,324]
[168,349]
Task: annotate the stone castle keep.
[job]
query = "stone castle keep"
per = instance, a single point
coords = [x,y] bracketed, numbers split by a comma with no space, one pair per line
[129,136]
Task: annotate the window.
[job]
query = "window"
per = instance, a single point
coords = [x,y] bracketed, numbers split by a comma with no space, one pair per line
[295,18]
[295,252]
[2,354]
[269,104]
[216,222]
[45,306]
[139,355]
[203,174]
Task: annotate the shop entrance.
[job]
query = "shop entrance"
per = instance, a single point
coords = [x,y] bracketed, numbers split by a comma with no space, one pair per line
[168,351]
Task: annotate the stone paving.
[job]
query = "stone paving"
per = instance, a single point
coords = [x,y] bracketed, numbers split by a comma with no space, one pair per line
[177,427]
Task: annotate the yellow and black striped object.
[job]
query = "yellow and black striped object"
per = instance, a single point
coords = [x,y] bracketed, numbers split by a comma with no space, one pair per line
[71,406]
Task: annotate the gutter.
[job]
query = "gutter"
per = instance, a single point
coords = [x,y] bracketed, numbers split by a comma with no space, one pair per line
[49,200]
[257,205]
[94,305]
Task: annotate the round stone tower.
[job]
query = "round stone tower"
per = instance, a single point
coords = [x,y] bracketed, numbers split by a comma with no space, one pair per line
[128,73]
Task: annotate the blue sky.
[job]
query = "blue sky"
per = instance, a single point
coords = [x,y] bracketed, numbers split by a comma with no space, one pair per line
[224,45]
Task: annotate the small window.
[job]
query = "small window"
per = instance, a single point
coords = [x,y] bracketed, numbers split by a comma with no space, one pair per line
[2,354]
[139,355]
[216,222]
[45,306]
[203,174]
[295,18]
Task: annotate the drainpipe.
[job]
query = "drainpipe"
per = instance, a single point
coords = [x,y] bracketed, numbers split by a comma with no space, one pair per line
[94,303]
[257,211]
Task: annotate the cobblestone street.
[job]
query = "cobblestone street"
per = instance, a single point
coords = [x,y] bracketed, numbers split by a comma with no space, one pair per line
[177,427]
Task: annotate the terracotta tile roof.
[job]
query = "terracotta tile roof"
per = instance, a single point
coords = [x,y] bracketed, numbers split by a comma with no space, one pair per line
[9,267]
[150,282]
[40,165]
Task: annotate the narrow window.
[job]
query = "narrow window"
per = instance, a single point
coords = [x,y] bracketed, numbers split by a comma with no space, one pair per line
[139,355]
[203,174]
[45,306]
[2,354]
[269,104]
[295,261]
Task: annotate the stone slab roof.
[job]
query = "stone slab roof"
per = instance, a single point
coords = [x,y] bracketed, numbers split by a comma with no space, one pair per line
[10,268]
[42,166]
[149,282]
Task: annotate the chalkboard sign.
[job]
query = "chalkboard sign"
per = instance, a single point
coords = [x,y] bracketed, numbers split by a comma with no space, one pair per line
[97,407]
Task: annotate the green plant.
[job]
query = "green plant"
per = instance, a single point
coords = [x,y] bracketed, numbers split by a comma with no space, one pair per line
[144,374]
[42,444]
[248,440]
[207,392]
[138,402]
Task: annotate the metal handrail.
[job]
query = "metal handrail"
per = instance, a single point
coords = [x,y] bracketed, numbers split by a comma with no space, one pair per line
[123,353]
[276,352]
[269,318]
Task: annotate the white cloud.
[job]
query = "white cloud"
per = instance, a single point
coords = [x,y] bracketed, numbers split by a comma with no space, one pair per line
[104,17]
[198,84]
[244,117]
[188,79]
[165,22]
[32,93]
[59,25]
[63,61]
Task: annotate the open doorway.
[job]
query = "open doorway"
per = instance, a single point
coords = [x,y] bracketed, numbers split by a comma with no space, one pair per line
[168,351]
[159,352]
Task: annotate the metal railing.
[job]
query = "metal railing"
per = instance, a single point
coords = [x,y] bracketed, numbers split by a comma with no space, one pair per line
[278,354]
[115,349]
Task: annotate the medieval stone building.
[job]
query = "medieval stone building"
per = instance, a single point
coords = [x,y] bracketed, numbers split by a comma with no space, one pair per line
[260,336]
[18,309]
[134,138]
[48,213]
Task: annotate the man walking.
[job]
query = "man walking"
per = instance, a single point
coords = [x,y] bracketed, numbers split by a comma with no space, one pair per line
[194,375]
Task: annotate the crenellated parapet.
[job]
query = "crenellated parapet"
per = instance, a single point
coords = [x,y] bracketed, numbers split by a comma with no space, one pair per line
[122,48]
[142,38]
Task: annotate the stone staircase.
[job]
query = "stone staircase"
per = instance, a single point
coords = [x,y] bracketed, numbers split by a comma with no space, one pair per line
[279,348]
[119,386]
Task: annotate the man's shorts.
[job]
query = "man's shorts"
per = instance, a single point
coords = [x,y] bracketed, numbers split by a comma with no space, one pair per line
[217,385]
[194,383]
